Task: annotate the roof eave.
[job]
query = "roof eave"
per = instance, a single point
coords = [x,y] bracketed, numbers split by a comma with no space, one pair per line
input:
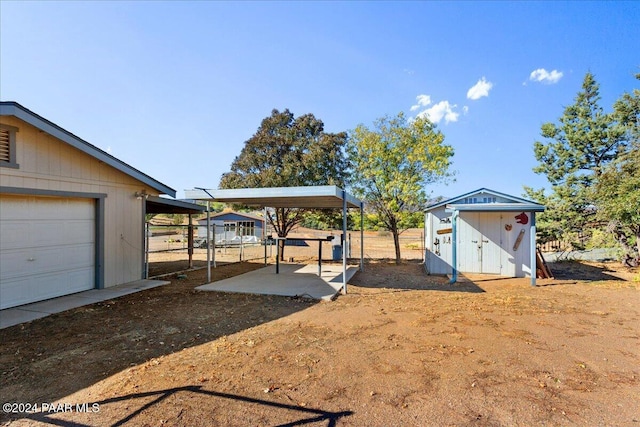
[496,207]
[479,190]
[311,197]
[10,108]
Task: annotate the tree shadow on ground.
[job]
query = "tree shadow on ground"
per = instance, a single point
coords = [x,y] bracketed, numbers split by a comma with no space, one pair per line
[576,270]
[408,275]
[95,341]
[295,414]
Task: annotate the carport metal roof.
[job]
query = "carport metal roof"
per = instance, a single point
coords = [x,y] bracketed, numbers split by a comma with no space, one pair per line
[312,197]
[156,205]
[323,196]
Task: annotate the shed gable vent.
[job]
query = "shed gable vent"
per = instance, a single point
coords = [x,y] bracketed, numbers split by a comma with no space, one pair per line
[5,146]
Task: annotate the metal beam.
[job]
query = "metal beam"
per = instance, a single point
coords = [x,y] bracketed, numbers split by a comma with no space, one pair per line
[321,196]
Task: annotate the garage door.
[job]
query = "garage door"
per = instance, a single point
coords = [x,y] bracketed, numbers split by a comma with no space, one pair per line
[47,248]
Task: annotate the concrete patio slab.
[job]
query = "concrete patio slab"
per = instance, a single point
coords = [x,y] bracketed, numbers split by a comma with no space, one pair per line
[294,280]
[28,312]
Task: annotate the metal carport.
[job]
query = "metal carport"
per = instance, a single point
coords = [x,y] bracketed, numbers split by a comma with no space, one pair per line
[311,197]
[162,205]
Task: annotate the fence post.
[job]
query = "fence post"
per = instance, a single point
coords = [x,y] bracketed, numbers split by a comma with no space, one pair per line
[213,246]
[240,227]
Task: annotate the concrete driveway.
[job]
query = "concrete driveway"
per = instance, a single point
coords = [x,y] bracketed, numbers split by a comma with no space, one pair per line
[25,313]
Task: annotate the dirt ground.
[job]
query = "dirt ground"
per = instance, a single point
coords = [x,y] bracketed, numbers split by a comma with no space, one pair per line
[402,348]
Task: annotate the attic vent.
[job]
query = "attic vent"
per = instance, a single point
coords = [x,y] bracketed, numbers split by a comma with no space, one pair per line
[5,146]
[8,146]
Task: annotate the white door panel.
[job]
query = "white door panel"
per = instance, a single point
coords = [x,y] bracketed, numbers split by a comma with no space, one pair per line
[47,248]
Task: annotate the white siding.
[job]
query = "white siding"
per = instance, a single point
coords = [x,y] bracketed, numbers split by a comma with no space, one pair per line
[47,163]
[485,243]
[438,256]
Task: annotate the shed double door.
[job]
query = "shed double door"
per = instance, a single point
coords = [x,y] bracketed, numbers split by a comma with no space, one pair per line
[479,243]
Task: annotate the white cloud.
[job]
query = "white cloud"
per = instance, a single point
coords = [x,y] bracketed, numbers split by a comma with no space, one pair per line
[423,101]
[465,110]
[441,110]
[543,76]
[480,89]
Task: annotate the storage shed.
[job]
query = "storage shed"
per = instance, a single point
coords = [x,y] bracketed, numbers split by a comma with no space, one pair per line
[71,215]
[483,231]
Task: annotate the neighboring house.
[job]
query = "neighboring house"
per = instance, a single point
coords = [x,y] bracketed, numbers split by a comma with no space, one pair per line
[230,225]
[483,231]
[71,215]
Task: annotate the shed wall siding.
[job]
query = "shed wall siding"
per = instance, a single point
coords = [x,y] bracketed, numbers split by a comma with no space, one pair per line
[485,244]
[47,163]
[438,256]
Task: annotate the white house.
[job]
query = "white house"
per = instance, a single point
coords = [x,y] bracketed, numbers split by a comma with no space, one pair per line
[71,215]
[232,224]
[483,231]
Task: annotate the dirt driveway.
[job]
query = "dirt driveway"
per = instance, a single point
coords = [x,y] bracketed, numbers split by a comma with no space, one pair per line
[402,348]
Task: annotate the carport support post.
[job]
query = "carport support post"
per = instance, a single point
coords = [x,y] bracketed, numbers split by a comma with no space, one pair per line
[208,245]
[278,255]
[319,258]
[532,239]
[344,241]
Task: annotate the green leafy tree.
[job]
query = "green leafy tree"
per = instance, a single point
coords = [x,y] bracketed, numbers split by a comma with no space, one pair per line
[392,165]
[618,187]
[573,156]
[287,151]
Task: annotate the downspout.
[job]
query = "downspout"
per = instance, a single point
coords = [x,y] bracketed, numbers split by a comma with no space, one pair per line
[454,247]
[145,239]
[424,242]
[532,240]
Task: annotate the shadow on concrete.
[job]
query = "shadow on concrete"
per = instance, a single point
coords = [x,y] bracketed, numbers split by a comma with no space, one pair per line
[293,280]
[299,415]
[96,341]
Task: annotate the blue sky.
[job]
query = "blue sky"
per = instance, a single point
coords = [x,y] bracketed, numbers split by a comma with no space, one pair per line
[176,88]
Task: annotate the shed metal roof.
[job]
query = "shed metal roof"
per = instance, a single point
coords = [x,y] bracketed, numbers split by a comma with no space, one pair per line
[10,108]
[323,196]
[515,203]
[496,207]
